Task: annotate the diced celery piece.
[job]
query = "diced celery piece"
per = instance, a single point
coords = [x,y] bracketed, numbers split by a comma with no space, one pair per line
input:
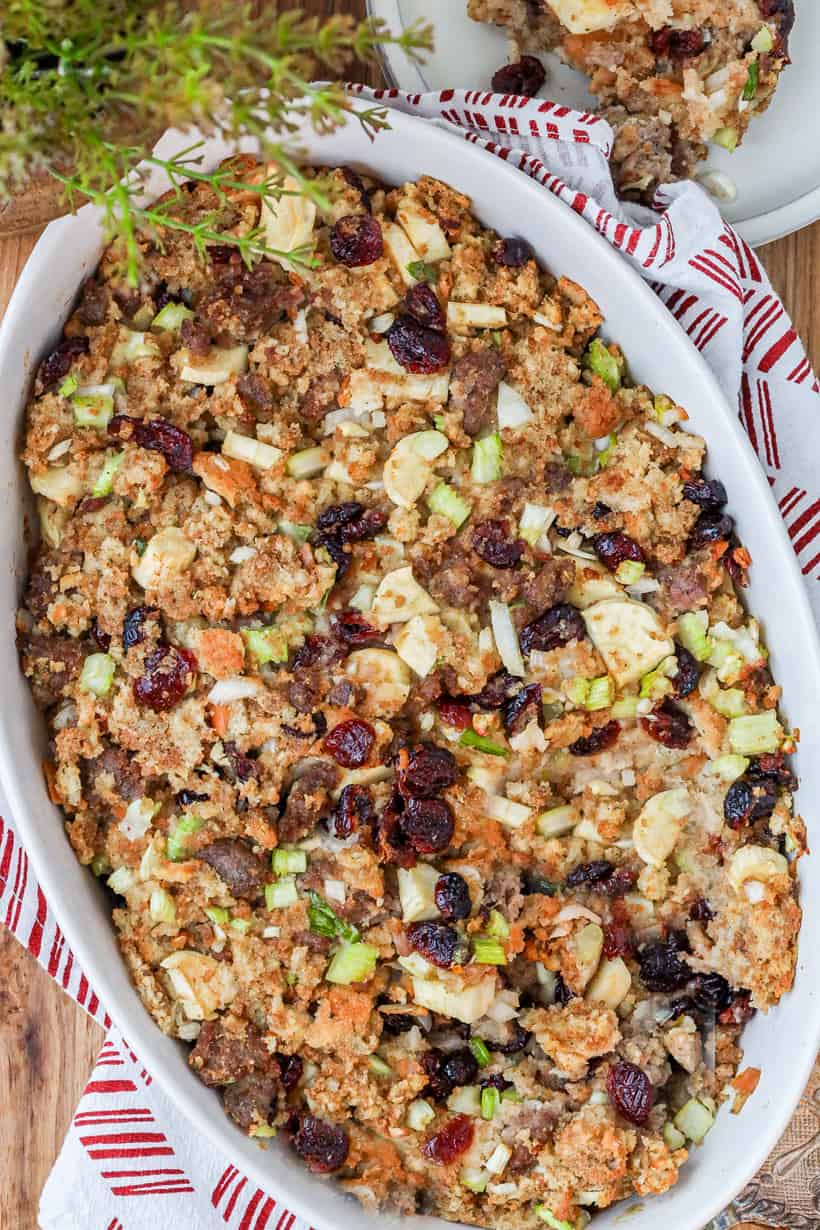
[490,1102]
[755,734]
[378,1067]
[656,683]
[600,360]
[69,386]
[420,1115]
[692,634]
[629,571]
[307,463]
[728,702]
[446,501]
[161,907]
[674,1138]
[577,690]
[282,894]
[266,644]
[177,836]
[171,316]
[488,457]
[105,478]
[218,915]
[465,1100]
[262,1131]
[549,1217]
[480,1052]
[557,821]
[763,41]
[694,1120]
[325,921]
[292,529]
[474,1179]
[727,138]
[481,743]
[497,926]
[97,674]
[511,1095]
[421,271]
[601,693]
[92,410]
[352,963]
[488,951]
[136,346]
[728,768]
[100,865]
[535,521]
[289,862]
[752,81]
[121,880]
[242,925]
[603,459]
[440,423]
[625,707]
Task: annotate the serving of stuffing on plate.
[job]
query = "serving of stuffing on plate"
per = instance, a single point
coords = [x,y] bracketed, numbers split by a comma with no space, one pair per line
[670,75]
[399,691]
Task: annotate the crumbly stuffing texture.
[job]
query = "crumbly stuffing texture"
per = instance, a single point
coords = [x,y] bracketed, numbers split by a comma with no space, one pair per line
[671,77]
[399,689]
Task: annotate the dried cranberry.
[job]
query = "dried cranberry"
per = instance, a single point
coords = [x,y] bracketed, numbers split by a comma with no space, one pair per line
[517,1043]
[492,542]
[353,521]
[619,940]
[558,626]
[243,767]
[395,1023]
[58,364]
[711,527]
[391,842]
[739,1011]
[673,44]
[356,240]
[158,435]
[186,797]
[350,743]
[616,548]
[524,77]
[337,515]
[622,881]
[705,492]
[421,303]
[290,1070]
[496,1081]
[590,873]
[324,1146]
[773,765]
[355,180]
[455,713]
[101,639]
[317,651]
[458,1068]
[220,253]
[701,911]
[133,629]
[522,708]
[749,799]
[496,691]
[661,966]
[428,825]
[453,896]
[601,739]
[600,510]
[354,629]
[448,1145]
[668,725]
[437,943]
[430,770]
[168,675]
[353,811]
[630,1091]
[562,992]
[782,11]
[711,993]
[686,680]
[416,348]
[513,252]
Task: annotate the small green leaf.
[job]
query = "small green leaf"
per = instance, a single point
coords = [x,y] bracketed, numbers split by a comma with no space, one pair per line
[422,272]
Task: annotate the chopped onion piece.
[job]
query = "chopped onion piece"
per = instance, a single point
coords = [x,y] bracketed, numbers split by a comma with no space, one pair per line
[506,638]
[225,691]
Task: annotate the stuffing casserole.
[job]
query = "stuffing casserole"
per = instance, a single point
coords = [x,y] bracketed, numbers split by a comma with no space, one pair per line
[670,75]
[399,691]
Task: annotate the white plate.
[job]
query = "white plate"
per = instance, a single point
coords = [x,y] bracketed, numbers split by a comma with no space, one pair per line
[776,170]
[784,1044]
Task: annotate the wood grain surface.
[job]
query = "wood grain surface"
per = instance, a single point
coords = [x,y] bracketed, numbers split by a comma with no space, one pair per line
[47,1043]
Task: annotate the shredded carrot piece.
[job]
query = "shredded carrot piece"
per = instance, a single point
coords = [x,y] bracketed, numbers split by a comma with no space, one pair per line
[219,719]
[744,1085]
[50,774]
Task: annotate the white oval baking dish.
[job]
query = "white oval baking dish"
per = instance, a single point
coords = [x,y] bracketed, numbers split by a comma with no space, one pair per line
[784,1044]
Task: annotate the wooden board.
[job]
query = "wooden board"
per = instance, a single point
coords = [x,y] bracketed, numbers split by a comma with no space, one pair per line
[47,1044]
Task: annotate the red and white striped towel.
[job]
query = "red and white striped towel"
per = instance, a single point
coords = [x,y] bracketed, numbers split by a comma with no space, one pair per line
[130,1161]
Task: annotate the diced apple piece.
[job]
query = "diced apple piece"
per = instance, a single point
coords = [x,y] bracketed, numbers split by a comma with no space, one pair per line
[409,466]
[423,230]
[288,222]
[255,452]
[588,944]
[452,998]
[384,678]
[659,825]
[756,863]
[587,16]
[62,486]
[592,584]
[400,250]
[168,552]
[506,811]
[475,316]
[629,636]
[611,983]
[399,597]
[417,887]
[417,643]
[202,985]
[216,367]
